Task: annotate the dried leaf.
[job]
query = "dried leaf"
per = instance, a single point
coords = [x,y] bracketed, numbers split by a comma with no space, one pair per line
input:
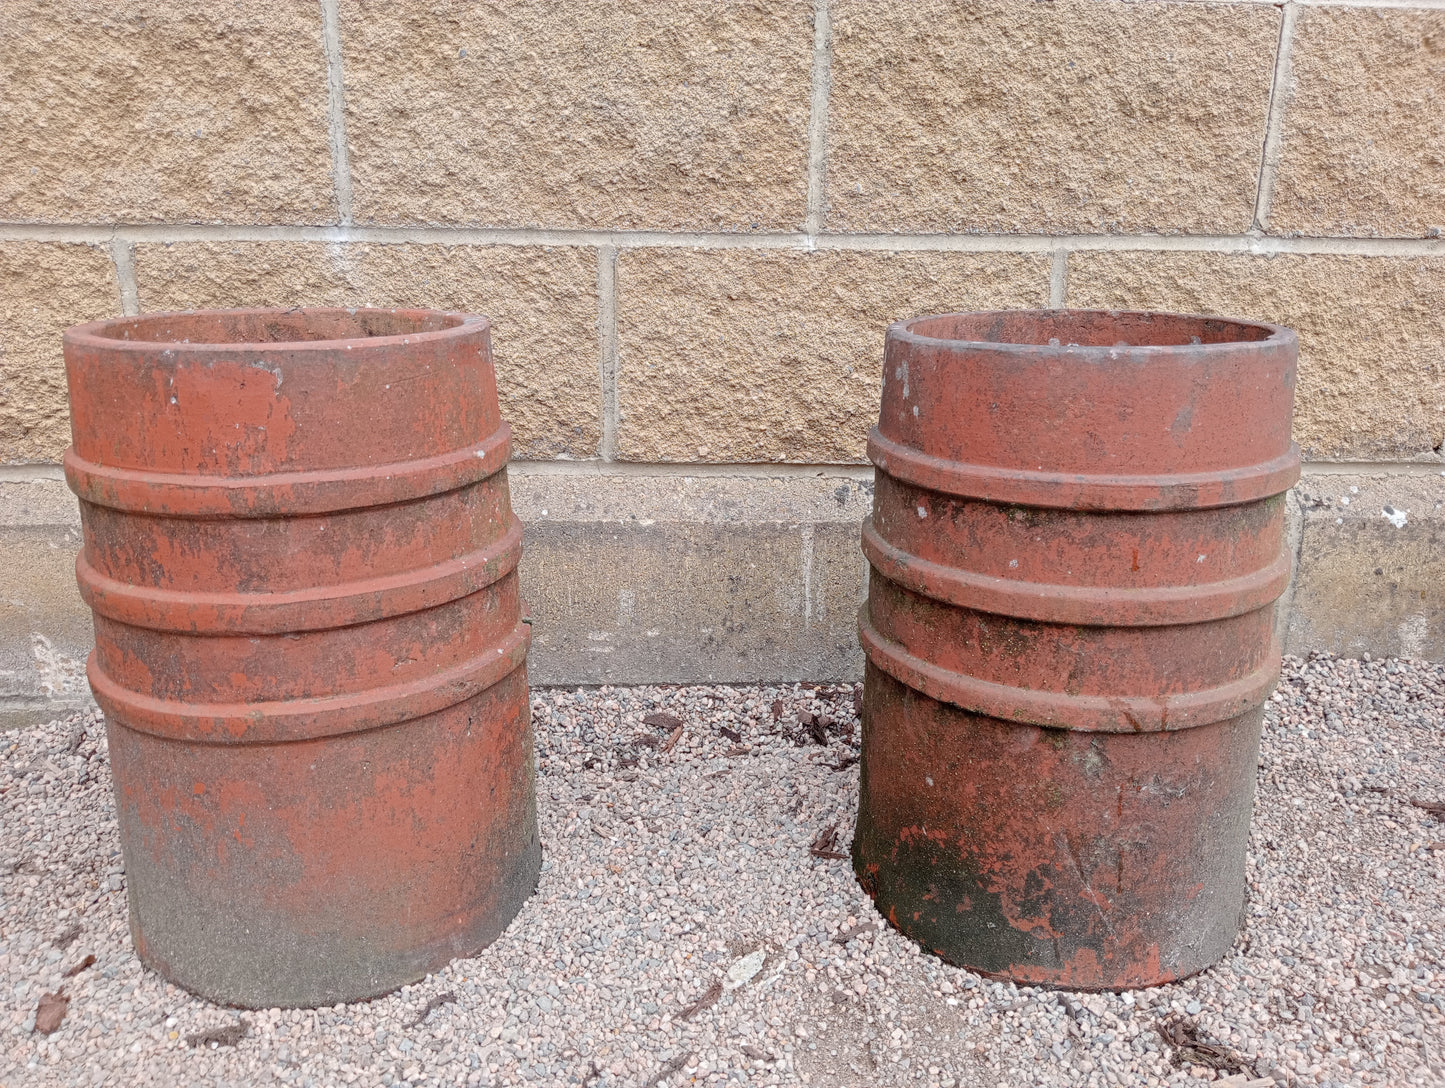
[229,1035]
[844,763]
[858,699]
[777,709]
[731,734]
[1434,808]
[50,1012]
[661,719]
[81,966]
[645,740]
[707,1000]
[818,728]
[826,844]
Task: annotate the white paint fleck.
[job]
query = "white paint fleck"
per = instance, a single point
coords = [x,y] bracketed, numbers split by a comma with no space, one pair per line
[1344,500]
[1013,563]
[928,780]
[915,410]
[1202,557]
[1397,518]
[742,970]
[60,674]
[923,512]
[1414,632]
[901,373]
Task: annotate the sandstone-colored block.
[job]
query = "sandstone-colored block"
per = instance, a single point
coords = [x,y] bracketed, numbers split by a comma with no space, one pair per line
[45,287]
[777,355]
[542,302]
[653,114]
[1362,150]
[1372,335]
[163,111]
[1075,116]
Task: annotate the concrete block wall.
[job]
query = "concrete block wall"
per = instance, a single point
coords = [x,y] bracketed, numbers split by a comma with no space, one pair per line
[691,221]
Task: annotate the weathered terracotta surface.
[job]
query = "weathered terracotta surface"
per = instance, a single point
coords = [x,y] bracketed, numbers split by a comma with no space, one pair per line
[310,647]
[1076,546]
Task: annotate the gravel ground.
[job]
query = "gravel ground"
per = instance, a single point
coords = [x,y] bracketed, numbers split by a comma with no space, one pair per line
[684,934]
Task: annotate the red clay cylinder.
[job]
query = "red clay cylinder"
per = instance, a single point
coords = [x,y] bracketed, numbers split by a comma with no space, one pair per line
[1076,546]
[310,649]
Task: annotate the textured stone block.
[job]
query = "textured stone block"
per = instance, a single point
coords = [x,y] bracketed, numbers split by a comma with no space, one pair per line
[652,114]
[542,301]
[163,111]
[45,287]
[637,578]
[45,631]
[1075,116]
[777,355]
[1372,336]
[1371,572]
[1362,150]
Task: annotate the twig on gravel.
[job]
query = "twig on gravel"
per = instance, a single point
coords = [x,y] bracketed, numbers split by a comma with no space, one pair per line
[431,1007]
[1189,1049]
[855,931]
[1434,808]
[671,742]
[79,967]
[668,1069]
[707,1000]
[826,844]
[229,1035]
